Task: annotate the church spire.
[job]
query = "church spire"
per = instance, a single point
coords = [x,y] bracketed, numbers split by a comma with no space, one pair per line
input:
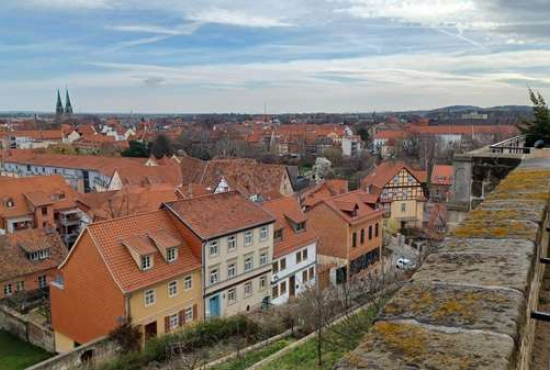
[68,106]
[59,105]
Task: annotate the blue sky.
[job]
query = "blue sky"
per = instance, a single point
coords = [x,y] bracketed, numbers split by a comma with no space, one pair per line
[293,55]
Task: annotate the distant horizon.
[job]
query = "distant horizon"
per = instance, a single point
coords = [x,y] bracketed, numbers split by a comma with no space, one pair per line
[298,56]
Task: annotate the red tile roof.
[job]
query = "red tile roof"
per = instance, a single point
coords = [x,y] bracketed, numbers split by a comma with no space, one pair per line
[323,190]
[442,175]
[387,170]
[352,207]
[14,248]
[214,215]
[285,210]
[108,237]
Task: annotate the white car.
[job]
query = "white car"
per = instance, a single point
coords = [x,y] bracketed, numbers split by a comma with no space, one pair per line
[405,264]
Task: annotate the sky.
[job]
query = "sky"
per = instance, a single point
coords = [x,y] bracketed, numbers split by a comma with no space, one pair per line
[202,56]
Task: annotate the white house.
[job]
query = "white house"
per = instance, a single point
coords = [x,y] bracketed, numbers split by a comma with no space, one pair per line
[294,250]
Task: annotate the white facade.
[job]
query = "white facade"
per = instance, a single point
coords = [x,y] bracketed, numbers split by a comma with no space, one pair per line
[351,146]
[294,270]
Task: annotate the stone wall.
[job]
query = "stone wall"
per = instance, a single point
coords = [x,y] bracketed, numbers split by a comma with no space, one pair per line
[20,326]
[469,305]
[85,356]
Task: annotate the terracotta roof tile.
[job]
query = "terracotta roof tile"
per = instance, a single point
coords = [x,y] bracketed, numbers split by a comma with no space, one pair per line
[352,207]
[14,248]
[387,170]
[214,215]
[442,175]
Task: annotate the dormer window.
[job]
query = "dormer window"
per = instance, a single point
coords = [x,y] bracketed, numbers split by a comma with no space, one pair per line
[39,255]
[278,235]
[146,262]
[172,254]
[299,227]
[9,203]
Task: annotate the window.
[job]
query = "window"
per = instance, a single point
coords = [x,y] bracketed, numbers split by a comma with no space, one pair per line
[362,236]
[263,283]
[150,297]
[42,281]
[304,276]
[376,230]
[248,263]
[20,286]
[231,243]
[8,289]
[300,226]
[275,292]
[188,283]
[146,262]
[213,276]
[213,247]
[370,232]
[311,273]
[232,270]
[264,233]
[282,264]
[298,257]
[189,314]
[248,288]
[44,211]
[354,240]
[248,238]
[304,254]
[9,203]
[172,254]
[275,267]
[264,258]
[282,287]
[231,296]
[278,235]
[403,207]
[174,321]
[172,289]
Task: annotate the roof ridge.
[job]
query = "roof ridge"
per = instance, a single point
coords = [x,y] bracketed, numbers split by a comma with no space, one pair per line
[101,222]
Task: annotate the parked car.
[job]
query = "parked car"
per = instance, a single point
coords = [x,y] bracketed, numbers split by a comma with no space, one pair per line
[404,263]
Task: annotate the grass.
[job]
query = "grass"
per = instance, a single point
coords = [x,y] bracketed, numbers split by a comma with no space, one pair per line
[16,354]
[304,357]
[255,356]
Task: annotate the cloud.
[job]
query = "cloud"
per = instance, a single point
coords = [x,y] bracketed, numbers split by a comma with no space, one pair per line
[235,18]
[186,29]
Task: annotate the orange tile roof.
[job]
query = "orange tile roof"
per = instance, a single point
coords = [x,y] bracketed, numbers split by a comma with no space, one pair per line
[22,191]
[442,175]
[214,215]
[108,237]
[353,202]
[284,210]
[463,129]
[390,134]
[36,134]
[387,170]
[323,190]
[14,248]
[148,175]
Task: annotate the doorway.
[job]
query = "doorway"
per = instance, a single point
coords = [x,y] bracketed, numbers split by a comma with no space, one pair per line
[214,305]
[292,286]
[151,330]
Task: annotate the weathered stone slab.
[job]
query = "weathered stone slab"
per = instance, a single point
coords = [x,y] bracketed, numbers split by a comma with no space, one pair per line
[499,311]
[497,229]
[512,210]
[478,269]
[490,246]
[410,346]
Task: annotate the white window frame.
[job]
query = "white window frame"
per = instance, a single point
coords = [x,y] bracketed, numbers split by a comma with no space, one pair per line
[232,243]
[188,314]
[230,293]
[249,257]
[146,262]
[216,273]
[150,297]
[174,321]
[8,289]
[232,266]
[248,288]
[173,289]
[264,233]
[262,283]
[248,238]
[20,286]
[188,283]
[213,248]
[264,258]
[172,254]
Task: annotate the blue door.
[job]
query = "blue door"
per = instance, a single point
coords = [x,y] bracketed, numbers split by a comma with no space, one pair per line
[214,306]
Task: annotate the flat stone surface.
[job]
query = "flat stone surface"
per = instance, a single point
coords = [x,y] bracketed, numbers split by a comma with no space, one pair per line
[409,346]
[497,229]
[531,211]
[490,246]
[499,311]
[479,269]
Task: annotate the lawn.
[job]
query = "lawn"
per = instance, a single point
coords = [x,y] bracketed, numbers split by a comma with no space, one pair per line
[255,356]
[304,357]
[16,354]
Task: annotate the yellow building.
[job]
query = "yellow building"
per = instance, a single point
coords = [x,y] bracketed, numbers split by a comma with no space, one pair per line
[399,190]
[137,267]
